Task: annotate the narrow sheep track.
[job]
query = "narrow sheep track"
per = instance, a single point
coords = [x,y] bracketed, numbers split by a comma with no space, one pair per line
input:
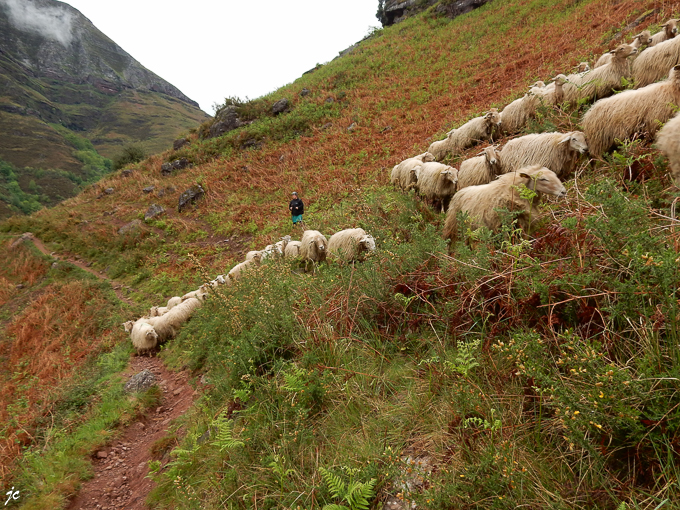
[117,287]
[120,468]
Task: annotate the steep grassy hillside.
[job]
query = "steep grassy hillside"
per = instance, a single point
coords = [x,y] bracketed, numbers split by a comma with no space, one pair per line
[531,371]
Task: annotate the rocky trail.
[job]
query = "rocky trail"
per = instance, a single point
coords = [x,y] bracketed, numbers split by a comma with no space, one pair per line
[121,468]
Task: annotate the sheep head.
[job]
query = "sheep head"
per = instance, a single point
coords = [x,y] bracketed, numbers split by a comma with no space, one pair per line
[128,326]
[539,84]
[449,174]
[674,74]
[623,51]
[153,311]
[367,243]
[576,141]
[493,117]
[671,28]
[319,242]
[645,37]
[560,80]
[426,157]
[492,158]
[543,180]
[582,67]
[151,333]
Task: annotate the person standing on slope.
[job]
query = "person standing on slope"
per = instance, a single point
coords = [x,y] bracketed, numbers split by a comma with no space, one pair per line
[297,209]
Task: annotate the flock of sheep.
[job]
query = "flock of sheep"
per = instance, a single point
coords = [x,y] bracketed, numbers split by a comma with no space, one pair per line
[493,180]
[163,323]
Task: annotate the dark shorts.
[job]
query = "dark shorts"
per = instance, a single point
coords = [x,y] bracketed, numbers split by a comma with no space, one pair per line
[297,219]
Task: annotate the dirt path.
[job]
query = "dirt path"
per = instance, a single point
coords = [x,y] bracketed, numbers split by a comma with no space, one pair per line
[121,468]
[117,287]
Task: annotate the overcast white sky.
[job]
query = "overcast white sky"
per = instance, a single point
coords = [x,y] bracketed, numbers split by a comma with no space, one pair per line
[212,49]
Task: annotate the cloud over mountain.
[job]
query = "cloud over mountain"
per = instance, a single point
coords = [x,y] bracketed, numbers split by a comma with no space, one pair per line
[50,22]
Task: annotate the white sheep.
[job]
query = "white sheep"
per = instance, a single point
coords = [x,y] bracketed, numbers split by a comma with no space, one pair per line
[220,279]
[292,250]
[255,256]
[481,169]
[436,183]
[516,115]
[668,31]
[128,326]
[270,251]
[536,86]
[668,141]
[582,67]
[143,335]
[483,203]
[632,111]
[173,301]
[476,130]
[199,293]
[168,325]
[655,62]
[553,93]
[351,244]
[281,244]
[602,81]
[644,38]
[157,311]
[559,152]
[235,272]
[403,175]
[313,247]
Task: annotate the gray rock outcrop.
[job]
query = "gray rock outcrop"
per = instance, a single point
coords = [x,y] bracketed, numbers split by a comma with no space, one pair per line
[153,211]
[190,196]
[226,120]
[178,164]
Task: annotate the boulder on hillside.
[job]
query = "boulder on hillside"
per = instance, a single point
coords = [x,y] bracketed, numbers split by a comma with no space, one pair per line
[281,106]
[226,120]
[305,92]
[178,164]
[153,211]
[179,143]
[190,196]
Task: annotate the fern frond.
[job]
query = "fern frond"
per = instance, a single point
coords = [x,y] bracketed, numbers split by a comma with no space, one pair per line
[334,507]
[359,493]
[334,483]
[225,438]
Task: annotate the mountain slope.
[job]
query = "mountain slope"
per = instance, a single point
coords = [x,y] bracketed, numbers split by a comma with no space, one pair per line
[57,68]
[530,371]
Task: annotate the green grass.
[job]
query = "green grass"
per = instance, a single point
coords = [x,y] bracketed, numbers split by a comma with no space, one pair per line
[533,371]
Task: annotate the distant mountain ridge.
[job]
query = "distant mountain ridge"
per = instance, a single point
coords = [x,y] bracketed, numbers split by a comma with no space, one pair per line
[58,70]
[69,47]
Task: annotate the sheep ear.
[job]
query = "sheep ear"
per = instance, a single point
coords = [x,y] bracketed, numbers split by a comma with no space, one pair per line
[565,138]
[526,176]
